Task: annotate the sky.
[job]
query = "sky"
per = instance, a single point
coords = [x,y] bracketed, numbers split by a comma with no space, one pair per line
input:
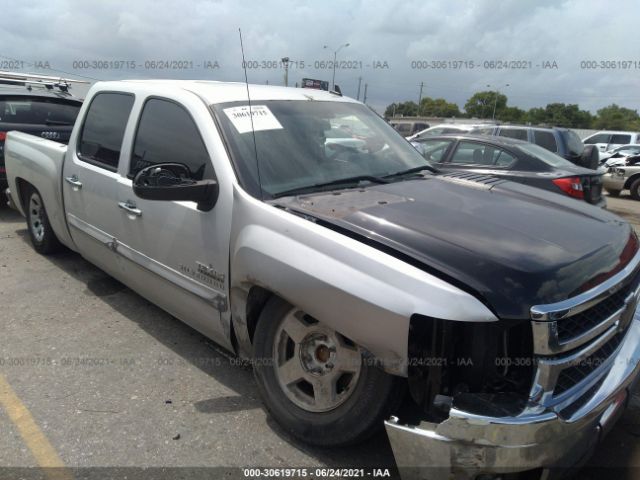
[452,47]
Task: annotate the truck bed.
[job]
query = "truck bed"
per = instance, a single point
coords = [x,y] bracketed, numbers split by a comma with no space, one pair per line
[35,161]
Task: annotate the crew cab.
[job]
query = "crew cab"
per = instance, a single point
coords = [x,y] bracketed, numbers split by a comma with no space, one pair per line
[354,277]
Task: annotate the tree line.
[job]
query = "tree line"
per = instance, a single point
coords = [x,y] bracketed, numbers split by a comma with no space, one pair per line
[482,105]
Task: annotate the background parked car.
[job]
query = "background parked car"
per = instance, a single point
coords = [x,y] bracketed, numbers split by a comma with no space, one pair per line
[608,139]
[617,155]
[624,177]
[38,110]
[444,129]
[514,160]
[406,128]
[561,141]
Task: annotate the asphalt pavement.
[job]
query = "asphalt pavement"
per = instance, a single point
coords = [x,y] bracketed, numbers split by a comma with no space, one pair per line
[92,375]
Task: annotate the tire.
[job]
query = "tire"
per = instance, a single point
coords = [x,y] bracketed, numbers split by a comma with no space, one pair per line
[42,236]
[613,193]
[355,414]
[634,189]
[590,157]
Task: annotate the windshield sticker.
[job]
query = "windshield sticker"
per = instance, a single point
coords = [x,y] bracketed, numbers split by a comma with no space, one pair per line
[263,119]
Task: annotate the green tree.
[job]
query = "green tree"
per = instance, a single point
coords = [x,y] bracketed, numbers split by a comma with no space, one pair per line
[401,109]
[511,115]
[614,117]
[481,104]
[559,115]
[438,107]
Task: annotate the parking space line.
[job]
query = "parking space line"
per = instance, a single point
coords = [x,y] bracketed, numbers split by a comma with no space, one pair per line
[33,437]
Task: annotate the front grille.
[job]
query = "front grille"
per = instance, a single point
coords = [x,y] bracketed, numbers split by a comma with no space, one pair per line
[573,327]
[584,367]
[575,340]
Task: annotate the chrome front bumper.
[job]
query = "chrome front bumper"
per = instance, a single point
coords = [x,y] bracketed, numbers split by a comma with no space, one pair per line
[466,445]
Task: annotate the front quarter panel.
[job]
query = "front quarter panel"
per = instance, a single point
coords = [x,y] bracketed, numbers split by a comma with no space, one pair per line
[365,294]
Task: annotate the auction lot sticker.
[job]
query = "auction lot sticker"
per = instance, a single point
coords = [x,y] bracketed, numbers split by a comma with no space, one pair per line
[263,119]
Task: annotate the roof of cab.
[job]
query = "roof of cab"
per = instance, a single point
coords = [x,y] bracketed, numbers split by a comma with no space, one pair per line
[222,92]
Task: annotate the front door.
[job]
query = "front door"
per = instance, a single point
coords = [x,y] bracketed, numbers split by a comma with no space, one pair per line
[178,255]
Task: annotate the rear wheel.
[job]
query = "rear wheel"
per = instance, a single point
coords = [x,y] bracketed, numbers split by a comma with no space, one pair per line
[315,382]
[635,189]
[42,236]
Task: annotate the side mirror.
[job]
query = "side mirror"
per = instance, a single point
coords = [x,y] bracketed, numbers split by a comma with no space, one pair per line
[173,182]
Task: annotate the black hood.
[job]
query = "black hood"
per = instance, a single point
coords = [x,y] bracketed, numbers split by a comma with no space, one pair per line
[511,245]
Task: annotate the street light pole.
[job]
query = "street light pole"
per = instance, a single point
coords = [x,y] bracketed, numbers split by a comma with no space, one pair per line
[285,60]
[335,55]
[495,101]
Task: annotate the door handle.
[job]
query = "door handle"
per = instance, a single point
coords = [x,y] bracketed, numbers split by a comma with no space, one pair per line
[73,180]
[130,207]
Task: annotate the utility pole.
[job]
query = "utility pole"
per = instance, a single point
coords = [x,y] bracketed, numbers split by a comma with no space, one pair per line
[285,60]
[420,97]
[335,55]
[359,83]
[364,99]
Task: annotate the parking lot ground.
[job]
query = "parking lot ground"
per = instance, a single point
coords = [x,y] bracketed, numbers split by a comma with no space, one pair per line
[626,207]
[112,381]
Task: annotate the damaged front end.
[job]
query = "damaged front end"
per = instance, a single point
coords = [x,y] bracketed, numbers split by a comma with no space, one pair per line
[519,396]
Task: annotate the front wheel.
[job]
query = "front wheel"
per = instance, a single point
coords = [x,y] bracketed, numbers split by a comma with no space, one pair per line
[634,189]
[42,236]
[317,384]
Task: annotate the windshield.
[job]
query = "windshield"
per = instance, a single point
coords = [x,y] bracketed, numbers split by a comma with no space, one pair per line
[545,155]
[307,143]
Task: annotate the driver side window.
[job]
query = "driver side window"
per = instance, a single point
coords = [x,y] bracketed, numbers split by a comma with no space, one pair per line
[167,134]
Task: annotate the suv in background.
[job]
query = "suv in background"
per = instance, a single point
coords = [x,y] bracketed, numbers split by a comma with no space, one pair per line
[406,128]
[38,107]
[561,141]
[608,139]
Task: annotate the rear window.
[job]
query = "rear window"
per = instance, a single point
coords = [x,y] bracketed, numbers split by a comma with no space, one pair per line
[517,133]
[545,155]
[545,140]
[38,111]
[574,144]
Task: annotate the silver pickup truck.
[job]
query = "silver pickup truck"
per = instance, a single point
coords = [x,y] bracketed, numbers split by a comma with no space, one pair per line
[489,326]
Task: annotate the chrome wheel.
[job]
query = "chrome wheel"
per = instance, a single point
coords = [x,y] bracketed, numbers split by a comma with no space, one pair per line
[316,367]
[35,217]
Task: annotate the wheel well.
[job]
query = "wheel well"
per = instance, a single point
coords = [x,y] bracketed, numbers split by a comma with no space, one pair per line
[256,300]
[22,186]
[631,179]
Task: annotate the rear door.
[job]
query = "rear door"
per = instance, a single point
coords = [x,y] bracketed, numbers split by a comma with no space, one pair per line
[177,256]
[90,178]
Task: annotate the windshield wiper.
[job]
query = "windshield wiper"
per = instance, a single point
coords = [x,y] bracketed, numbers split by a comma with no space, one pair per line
[57,122]
[341,181]
[411,170]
